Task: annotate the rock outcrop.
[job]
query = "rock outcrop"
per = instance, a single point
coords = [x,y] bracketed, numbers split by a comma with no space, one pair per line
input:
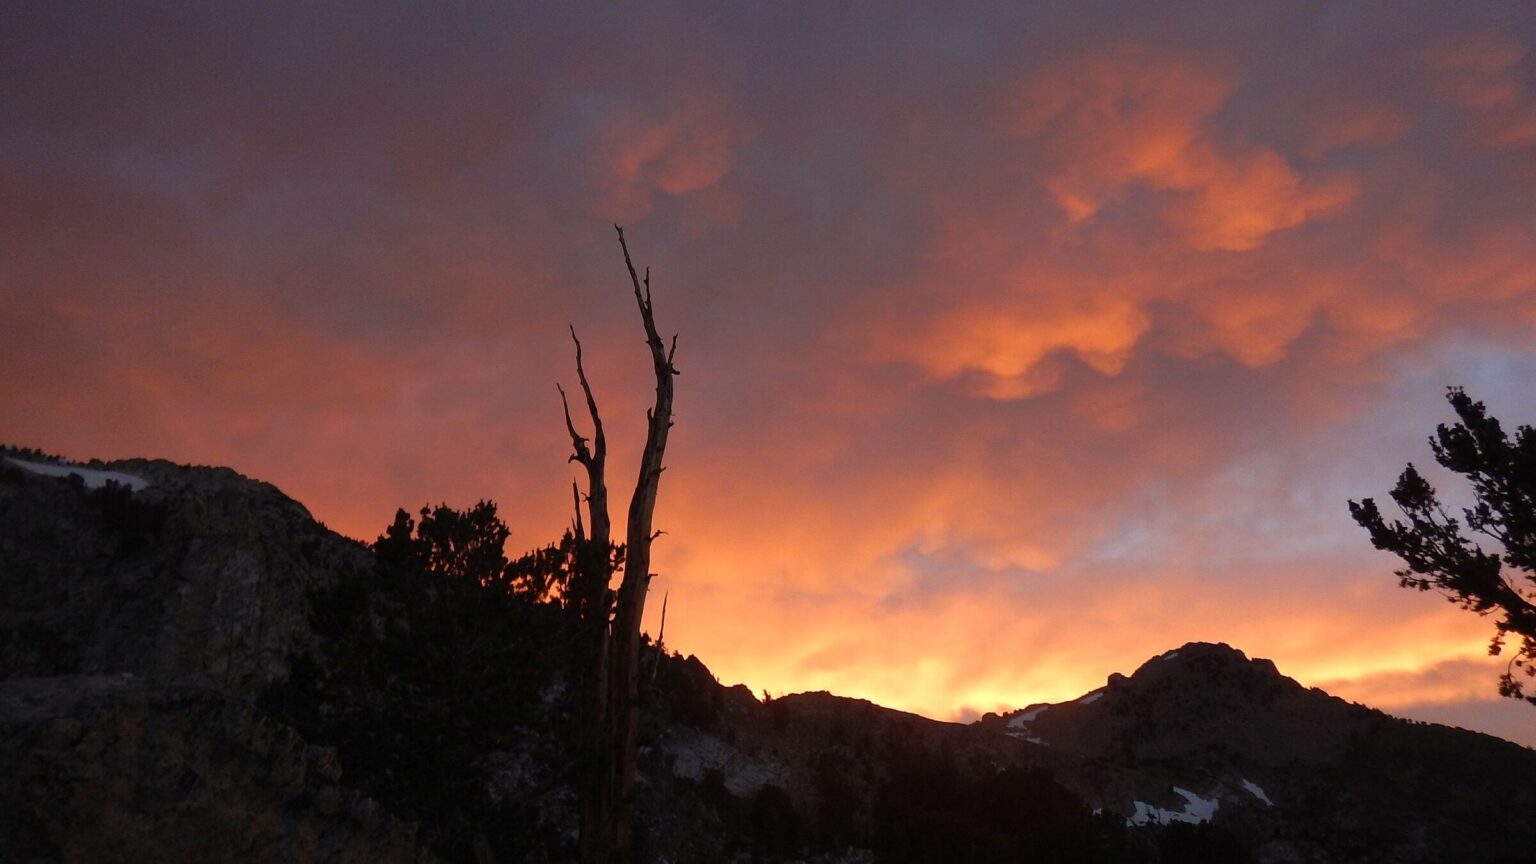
[198,578]
[1203,733]
[137,627]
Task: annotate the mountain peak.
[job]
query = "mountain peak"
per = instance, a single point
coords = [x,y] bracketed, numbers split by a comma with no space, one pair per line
[1182,701]
[1219,651]
[1210,665]
[1213,649]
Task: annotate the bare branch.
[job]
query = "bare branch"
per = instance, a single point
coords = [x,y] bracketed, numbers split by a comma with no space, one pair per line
[599,440]
[633,276]
[578,443]
[643,300]
[661,632]
[660,635]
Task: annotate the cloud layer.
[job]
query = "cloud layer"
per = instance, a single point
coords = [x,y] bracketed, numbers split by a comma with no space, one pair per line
[1018,344]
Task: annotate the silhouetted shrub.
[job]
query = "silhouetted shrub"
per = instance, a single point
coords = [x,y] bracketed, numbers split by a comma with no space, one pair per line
[426,665]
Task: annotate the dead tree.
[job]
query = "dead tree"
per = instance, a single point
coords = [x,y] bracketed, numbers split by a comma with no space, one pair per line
[612,702]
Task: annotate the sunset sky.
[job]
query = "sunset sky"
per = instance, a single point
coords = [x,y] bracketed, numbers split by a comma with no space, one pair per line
[1019,342]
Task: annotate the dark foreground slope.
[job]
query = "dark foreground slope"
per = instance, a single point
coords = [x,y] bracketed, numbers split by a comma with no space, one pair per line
[195,670]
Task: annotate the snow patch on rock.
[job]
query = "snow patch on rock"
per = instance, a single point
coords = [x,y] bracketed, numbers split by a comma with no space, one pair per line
[1255,791]
[1027,736]
[695,755]
[94,478]
[1019,720]
[1195,811]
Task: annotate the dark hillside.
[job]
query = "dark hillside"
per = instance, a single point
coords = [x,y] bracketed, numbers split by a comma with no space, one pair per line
[192,669]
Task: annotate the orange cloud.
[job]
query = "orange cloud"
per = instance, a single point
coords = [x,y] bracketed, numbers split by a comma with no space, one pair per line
[1483,74]
[1131,117]
[685,148]
[1468,678]
[1008,346]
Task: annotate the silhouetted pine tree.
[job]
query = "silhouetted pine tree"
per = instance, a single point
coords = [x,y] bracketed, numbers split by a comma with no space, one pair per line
[1440,555]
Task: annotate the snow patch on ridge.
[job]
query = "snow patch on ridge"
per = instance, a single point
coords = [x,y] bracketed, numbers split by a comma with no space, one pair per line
[1196,810]
[1019,720]
[1027,736]
[94,478]
[1091,697]
[1255,791]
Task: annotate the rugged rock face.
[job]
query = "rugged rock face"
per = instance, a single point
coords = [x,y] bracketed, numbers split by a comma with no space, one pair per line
[1200,737]
[732,778]
[198,578]
[1203,733]
[136,628]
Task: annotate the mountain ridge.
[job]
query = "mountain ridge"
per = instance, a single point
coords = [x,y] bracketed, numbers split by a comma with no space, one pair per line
[139,625]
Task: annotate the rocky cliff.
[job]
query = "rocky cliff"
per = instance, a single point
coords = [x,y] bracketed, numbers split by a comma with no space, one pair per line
[198,576]
[143,608]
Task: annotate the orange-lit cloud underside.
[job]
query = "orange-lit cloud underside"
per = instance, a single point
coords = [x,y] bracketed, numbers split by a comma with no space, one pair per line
[1017,345]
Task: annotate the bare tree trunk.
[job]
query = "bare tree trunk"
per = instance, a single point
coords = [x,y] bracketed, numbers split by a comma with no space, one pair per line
[612,698]
[624,682]
[590,580]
